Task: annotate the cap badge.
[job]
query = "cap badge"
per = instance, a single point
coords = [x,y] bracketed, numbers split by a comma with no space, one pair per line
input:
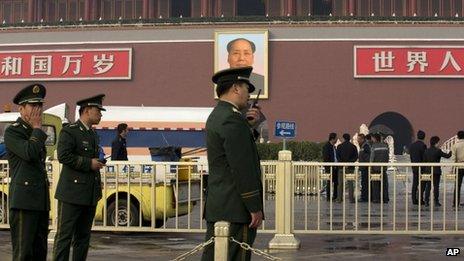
[36,89]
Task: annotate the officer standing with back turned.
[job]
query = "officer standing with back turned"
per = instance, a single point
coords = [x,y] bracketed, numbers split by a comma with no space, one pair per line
[79,187]
[234,192]
[29,188]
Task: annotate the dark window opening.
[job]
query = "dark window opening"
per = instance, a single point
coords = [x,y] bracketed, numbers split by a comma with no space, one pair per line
[181,8]
[250,8]
[322,7]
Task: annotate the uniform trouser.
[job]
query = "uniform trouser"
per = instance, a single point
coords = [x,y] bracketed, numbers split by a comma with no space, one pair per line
[426,187]
[240,232]
[332,184]
[375,188]
[73,227]
[415,184]
[364,183]
[460,177]
[29,232]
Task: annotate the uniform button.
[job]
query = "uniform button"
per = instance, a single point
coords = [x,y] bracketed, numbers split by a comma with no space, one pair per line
[26,183]
[75,181]
[95,178]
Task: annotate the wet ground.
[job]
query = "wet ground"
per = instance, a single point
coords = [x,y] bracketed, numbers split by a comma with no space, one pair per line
[166,246]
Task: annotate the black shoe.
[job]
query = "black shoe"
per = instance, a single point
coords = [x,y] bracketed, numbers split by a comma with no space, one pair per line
[362,200]
[437,204]
[426,204]
[414,202]
[422,203]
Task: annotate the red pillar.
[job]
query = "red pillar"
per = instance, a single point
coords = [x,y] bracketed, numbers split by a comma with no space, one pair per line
[218,8]
[453,8]
[234,8]
[145,9]
[31,11]
[87,5]
[40,12]
[352,7]
[204,8]
[413,7]
[290,7]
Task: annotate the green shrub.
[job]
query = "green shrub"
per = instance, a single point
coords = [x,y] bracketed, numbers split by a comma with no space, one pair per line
[301,150]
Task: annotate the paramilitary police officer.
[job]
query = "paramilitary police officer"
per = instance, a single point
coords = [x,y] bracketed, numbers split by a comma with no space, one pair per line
[28,192]
[79,187]
[234,183]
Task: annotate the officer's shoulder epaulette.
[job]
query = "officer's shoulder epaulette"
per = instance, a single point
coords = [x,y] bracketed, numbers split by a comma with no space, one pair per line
[235,110]
[73,125]
[16,124]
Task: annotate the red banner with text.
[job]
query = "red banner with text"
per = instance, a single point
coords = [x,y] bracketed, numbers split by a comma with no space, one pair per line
[61,65]
[409,62]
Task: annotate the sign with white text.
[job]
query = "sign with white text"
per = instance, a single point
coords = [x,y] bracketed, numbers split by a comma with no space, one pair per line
[409,61]
[62,65]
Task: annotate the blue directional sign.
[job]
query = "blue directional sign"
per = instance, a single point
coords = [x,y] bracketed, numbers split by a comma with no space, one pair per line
[285,129]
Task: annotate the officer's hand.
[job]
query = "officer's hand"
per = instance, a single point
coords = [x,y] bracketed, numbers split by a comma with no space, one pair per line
[253,116]
[35,117]
[256,219]
[96,165]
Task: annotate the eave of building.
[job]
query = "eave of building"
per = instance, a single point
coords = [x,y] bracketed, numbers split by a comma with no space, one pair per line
[190,33]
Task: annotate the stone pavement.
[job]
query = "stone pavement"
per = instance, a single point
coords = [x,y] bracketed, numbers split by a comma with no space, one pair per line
[165,246]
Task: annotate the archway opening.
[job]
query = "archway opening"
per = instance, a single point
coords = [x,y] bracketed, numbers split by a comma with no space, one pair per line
[396,125]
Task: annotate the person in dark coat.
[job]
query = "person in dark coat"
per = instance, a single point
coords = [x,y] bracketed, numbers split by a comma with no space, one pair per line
[79,186]
[433,155]
[234,192]
[347,152]
[29,199]
[379,153]
[416,153]
[118,146]
[364,156]
[329,154]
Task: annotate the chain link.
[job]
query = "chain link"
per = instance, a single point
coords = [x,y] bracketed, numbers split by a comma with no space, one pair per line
[254,250]
[194,250]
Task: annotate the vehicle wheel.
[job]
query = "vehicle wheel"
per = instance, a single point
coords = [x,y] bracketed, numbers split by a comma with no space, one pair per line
[122,214]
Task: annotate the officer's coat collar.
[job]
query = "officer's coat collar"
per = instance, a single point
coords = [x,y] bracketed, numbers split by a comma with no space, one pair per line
[21,122]
[82,126]
[229,104]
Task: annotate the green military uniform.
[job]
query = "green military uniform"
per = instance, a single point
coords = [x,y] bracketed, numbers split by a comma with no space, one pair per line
[29,198]
[234,183]
[79,187]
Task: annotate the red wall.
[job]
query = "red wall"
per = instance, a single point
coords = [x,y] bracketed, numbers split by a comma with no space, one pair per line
[310,82]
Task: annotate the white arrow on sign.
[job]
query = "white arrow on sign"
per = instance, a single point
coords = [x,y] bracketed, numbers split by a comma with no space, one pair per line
[282,133]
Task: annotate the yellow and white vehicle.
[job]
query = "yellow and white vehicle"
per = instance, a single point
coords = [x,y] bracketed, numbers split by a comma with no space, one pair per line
[136,193]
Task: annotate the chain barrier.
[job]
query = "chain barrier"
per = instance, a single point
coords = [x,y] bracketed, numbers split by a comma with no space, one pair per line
[254,250]
[194,250]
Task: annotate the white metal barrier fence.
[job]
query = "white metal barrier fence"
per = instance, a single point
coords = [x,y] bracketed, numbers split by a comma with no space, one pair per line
[169,197]
[392,213]
[147,196]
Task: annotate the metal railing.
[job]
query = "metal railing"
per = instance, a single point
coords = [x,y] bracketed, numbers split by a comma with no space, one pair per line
[392,213]
[147,196]
[448,145]
[169,197]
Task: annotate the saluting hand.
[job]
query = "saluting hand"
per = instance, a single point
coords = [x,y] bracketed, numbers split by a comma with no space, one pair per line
[256,219]
[35,117]
[96,165]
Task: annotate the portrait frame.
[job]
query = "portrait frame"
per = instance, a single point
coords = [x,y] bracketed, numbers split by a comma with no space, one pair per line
[260,38]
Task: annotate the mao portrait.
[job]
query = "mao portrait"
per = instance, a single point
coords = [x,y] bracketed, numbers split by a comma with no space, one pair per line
[244,48]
